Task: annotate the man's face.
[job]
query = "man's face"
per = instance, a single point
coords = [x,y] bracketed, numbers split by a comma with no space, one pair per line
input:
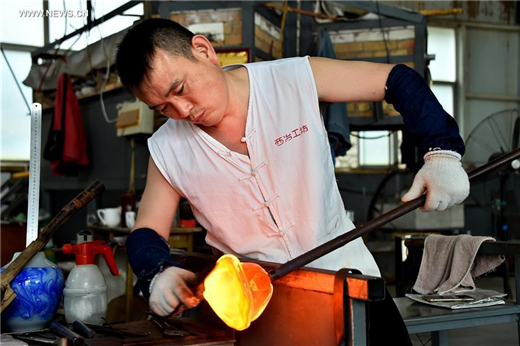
[182,89]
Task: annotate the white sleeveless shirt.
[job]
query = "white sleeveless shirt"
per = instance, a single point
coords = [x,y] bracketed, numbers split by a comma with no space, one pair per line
[280,201]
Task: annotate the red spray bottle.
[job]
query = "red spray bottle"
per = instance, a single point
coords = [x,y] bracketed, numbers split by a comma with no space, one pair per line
[85,293]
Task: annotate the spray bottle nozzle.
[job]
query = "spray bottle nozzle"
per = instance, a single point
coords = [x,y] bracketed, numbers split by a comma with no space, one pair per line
[85,234]
[85,254]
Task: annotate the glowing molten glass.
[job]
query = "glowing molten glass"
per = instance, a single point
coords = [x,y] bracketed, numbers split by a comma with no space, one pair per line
[238,293]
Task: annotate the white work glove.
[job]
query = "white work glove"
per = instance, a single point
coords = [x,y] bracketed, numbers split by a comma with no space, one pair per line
[168,289]
[444,180]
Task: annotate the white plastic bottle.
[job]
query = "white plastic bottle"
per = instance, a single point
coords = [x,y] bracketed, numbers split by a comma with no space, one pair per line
[85,293]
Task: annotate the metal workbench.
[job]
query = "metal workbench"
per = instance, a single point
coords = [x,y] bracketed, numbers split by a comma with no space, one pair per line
[421,318]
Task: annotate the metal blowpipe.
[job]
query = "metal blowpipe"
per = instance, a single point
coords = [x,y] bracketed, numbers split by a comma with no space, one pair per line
[306,258]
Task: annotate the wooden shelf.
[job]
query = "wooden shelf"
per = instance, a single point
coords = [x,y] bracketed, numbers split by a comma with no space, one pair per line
[174,230]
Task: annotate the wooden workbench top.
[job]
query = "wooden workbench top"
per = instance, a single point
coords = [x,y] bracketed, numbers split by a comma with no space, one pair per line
[174,230]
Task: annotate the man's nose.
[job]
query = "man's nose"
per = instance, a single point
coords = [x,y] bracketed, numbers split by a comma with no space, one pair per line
[184,108]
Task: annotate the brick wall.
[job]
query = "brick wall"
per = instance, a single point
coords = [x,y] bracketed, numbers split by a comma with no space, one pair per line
[267,36]
[369,43]
[230,18]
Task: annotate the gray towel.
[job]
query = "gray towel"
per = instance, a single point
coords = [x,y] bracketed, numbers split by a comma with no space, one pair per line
[450,263]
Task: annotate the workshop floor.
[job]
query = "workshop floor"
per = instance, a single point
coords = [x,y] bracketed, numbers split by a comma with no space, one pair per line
[505,334]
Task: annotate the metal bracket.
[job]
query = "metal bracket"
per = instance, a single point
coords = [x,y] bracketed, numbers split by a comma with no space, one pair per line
[351,292]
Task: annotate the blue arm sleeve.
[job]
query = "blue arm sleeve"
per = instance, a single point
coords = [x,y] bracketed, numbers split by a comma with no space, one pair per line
[429,124]
[148,253]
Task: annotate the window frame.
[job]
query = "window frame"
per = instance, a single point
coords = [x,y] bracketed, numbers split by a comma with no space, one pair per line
[456,83]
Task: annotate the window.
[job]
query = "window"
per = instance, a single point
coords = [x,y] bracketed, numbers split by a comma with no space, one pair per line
[442,44]
[15,120]
[377,148]
[21,23]
[371,149]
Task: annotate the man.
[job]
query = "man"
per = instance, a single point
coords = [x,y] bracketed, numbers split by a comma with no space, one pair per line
[246,146]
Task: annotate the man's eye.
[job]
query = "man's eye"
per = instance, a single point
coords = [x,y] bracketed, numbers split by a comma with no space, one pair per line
[181,90]
[163,109]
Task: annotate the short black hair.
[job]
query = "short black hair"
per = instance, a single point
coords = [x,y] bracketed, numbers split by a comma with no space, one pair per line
[137,49]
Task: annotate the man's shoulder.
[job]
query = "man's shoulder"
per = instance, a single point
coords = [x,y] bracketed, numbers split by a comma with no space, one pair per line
[169,128]
[268,63]
[285,68]
[279,62]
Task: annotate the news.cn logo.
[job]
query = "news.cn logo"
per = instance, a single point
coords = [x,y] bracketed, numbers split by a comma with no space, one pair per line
[53,13]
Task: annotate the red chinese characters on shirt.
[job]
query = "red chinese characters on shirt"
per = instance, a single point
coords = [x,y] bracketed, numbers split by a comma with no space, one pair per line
[291,135]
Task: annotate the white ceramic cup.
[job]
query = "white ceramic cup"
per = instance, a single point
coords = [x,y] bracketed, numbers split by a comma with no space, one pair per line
[109,217]
[130,219]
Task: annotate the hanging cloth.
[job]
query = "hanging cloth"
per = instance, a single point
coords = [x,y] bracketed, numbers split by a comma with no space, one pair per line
[66,145]
[335,115]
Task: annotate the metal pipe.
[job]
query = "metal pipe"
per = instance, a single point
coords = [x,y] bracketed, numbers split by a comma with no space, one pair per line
[491,97]
[37,339]
[306,258]
[441,12]
[61,330]
[83,329]
[473,25]
[96,22]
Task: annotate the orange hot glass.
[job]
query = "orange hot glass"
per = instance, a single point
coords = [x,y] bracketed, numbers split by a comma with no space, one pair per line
[238,293]
[260,285]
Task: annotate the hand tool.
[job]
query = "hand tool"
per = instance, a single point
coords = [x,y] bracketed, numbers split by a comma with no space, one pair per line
[61,330]
[105,330]
[124,330]
[83,329]
[42,340]
[33,197]
[168,327]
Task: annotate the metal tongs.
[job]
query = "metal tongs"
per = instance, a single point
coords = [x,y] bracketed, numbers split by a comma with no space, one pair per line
[168,327]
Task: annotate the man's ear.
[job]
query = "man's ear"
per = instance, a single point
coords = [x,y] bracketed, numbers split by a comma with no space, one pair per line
[202,48]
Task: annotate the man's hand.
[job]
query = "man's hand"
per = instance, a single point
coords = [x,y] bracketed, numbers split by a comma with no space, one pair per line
[168,289]
[444,180]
